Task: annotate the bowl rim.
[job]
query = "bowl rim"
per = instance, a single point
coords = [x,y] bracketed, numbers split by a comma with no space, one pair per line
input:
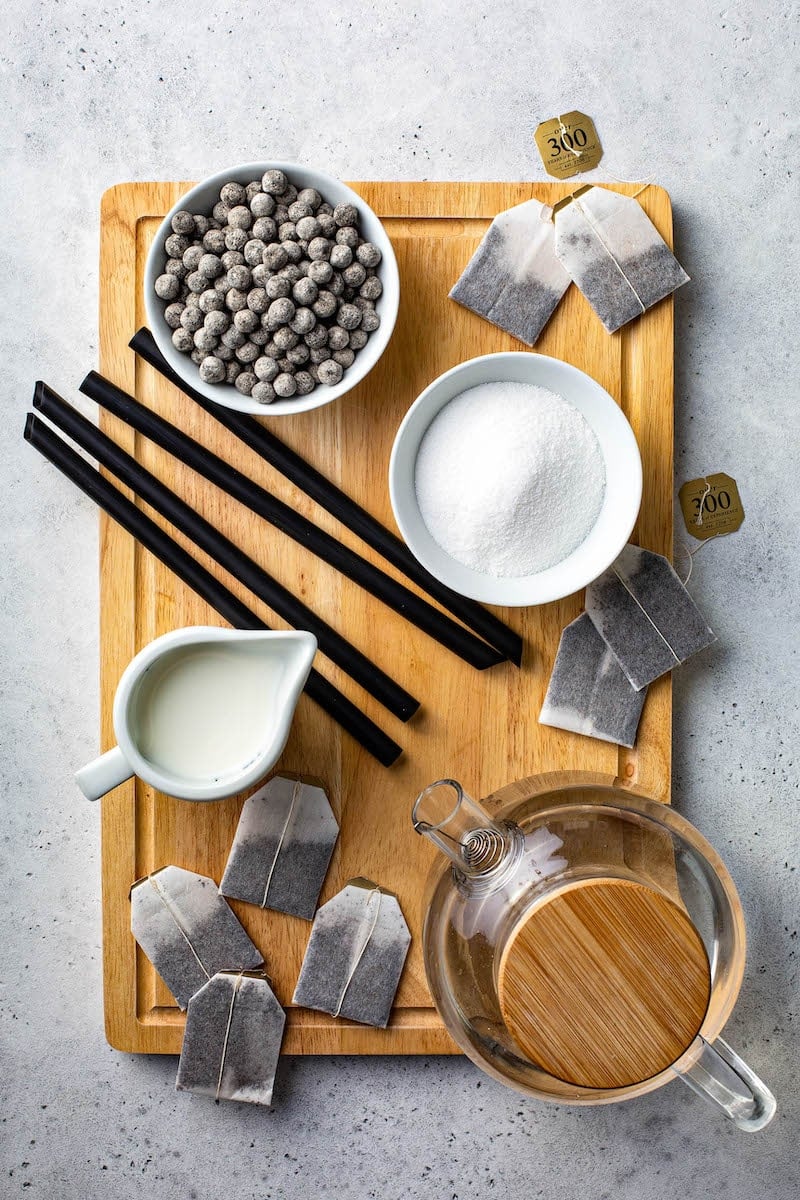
[232,781]
[388,303]
[520,591]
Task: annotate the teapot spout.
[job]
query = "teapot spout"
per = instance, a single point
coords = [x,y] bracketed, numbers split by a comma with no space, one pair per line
[460,828]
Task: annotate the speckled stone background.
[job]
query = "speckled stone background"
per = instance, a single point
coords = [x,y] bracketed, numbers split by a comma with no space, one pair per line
[701,96]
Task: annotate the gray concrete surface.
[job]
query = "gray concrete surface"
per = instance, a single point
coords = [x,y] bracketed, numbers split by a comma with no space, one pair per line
[702,97]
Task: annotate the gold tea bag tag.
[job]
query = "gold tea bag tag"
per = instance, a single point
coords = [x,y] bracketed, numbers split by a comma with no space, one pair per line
[711,506]
[568,145]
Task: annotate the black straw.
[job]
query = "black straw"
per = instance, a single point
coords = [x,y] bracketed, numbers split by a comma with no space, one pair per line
[154,539]
[338,504]
[260,501]
[220,548]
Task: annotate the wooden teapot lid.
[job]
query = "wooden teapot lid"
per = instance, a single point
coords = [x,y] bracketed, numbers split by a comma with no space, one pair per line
[604,985]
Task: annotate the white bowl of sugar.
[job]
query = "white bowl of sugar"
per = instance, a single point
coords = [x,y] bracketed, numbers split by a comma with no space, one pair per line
[515,479]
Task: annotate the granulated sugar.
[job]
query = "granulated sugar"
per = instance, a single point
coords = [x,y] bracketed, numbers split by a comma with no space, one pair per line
[510,479]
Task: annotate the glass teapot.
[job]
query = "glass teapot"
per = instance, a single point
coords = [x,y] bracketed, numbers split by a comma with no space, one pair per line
[586,944]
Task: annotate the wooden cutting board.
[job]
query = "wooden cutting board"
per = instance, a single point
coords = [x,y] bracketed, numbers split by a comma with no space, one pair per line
[480,728]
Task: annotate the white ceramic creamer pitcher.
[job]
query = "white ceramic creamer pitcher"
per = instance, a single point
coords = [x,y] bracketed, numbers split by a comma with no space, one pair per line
[202,713]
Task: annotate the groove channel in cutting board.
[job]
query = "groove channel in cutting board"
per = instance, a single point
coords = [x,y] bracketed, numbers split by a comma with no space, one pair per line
[479,727]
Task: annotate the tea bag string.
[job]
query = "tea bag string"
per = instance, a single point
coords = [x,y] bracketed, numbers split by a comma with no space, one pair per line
[691,553]
[295,793]
[647,614]
[699,518]
[178,923]
[698,521]
[234,994]
[357,961]
[562,129]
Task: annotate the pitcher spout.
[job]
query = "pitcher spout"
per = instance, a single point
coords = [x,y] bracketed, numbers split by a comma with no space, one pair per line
[299,648]
[294,650]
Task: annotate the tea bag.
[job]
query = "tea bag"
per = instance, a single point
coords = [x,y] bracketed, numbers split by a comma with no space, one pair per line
[514,279]
[588,692]
[283,845]
[234,1029]
[355,955]
[645,615]
[187,930]
[614,253]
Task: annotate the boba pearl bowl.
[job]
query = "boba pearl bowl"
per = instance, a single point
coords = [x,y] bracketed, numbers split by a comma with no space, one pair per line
[201,199]
[620,454]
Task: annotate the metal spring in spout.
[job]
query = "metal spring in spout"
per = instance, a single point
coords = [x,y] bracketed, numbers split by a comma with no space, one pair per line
[483,849]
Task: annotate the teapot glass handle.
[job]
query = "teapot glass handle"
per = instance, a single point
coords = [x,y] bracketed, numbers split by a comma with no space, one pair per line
[718,1074]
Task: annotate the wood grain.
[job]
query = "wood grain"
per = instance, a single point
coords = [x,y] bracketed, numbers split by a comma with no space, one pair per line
[604,984]
[478,727]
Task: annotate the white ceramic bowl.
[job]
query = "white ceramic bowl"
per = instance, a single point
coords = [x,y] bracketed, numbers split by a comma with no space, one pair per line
[623,479]
[201,199]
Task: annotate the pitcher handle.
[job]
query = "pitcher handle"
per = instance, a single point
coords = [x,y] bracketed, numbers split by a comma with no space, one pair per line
[718,1074]
[104,773]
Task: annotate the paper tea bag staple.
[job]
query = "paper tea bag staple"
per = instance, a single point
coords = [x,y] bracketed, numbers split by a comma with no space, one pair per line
[514,278]
[355,955]
[588,691]
[614,253]
[282,848]
[234,1030]
[187,930]
[645,615]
